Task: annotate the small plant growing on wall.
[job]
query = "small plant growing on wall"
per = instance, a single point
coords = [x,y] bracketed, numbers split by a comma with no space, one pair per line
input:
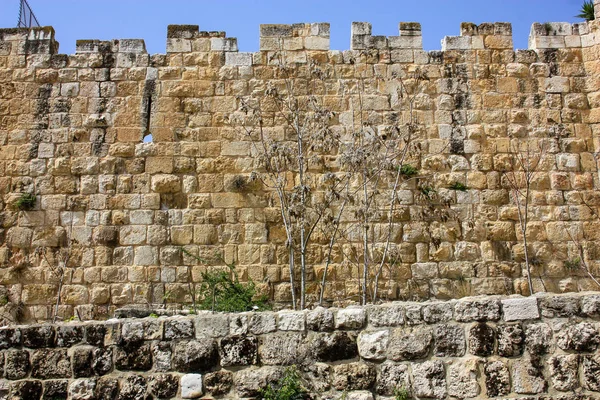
[26,202]
[289,387]
[458,187]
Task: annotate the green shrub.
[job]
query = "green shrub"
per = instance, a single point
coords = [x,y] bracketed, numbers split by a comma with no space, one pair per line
[587,11]
[401,393]
[408,171]
[287,388]
[458,186]
[26,201]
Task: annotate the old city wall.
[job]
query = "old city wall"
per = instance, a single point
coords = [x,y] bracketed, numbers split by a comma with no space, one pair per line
[135,216]
[488,347]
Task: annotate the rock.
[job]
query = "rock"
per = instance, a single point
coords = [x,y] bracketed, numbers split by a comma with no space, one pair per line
[36,337]
[56,389]
[282,348]
[373,345]
[164,183]
[350,318]
[133,387]
[481,340]
[391,377]
[134,357]
[334,346]
[249,382]
[238,324]
[510,340]
[212,325]
[179,328]
[195,356]
[218,383]
[134,332]
[477,310]
[102,361]
[462,379]
[440,312]
[82,361]
[9,337]
[238,350]
[191,386]
[559,306]
[590,306]
[16,364]
[261,323]
[291,321]
[582,337]
[386,315]
[527,376]
[591,372]
[163,385]
[162,356]
[69,335]
[353,376]
[50,364]
[413,314]
[359,395]
[82,389]
[319,319]
[318,375]
[449,341]
[410,343]
[563,372]
[520,309]
[94,334]
[30,390]
[133,312]
[497,379]
[107,388]
[429,379]
[538,338]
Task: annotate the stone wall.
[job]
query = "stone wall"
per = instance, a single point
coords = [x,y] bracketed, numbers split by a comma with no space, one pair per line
[484,347]
[135,215]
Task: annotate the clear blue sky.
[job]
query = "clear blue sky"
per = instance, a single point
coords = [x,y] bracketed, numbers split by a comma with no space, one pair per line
[148,19]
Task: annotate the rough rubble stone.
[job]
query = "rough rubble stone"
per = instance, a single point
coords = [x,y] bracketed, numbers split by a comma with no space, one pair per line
[520,309]
[563,372]
[511,339]
[94,334]
[386,315]
[281,348]
[497,379]
[36,337]
[559,306]
[238,350]
[462,379]
[56,389]
[391,376]
[191,386]
[410,343]
[50,364]
[291,321]
[320,319]
[449,341]
[162,353]
[440,312]
[163,385]
[218,383]
[527,376]
[9,337]
[133,387]
[429,379]
[134,357]
[353,376]
[590,306]
[179,328]
[16,364]
[249,382]
[69,335]
[582,337]
[238,324]
[414,314]
[318,375]
[261,323]
[477,310]
[195,356]
[27,390]
[82,389]
[538,338]
[372,345]
[591,372]
[481,340]
[334,346]
[212,325]
[350,318]
[106,388]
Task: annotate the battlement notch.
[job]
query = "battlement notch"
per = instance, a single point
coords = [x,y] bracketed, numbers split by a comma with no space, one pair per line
[492,36]
[25,41]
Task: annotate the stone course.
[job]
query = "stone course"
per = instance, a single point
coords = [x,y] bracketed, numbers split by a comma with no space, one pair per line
[506,356]
[137,216]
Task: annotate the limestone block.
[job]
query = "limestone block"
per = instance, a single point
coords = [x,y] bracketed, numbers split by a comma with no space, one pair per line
[191,386]
[456,43]
[527,379]
[223,44]
[462,379]
[353,376]
[291,320]
[337,346]
[410,343]
[563,372]
[197,356]
[350,318]
[238,350]
[519,309]
[429,379]
[497,379]
[391,377]
[386,315]
[238,59]
[372,345]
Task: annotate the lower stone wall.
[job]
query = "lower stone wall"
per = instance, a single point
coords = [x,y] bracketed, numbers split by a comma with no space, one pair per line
[542,347]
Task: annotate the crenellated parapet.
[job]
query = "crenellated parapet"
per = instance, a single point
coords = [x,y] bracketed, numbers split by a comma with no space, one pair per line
[294,37]
[559,35]
[492,36]
[24,41]
[188,38]
[409,37]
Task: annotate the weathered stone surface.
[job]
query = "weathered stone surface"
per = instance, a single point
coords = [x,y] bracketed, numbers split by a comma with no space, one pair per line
[335,346]
[163,385]
[386,315]
[318,376]
[212,325]
[477,310]
[538,338]
[50,364]
[462,379]
[195,356]
[291,321]
[511,339]
[191,386]
[249,382]
[559,306]
[238,350]
[262,323]
[319,319]
[56,389]
[481,340]
[133,387]
[16,364]
[179,328]
[449,341]
[590,306]
[281,348]
[497,379]
[353,376]
[218,383]
[563,372]
[69,335]
[106,388]
[528,377]
[27,390]
[9,337]
[350,318]
[372,345]
[134,357]
[82,389]
[591,372]
[441,312]
[410,343]
[582,337]
[520,309]
[36,337]
[429,379]
[391,376]
[162,353]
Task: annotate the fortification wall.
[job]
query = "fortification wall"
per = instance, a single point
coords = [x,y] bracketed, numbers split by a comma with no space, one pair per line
[487,347]
[135,216]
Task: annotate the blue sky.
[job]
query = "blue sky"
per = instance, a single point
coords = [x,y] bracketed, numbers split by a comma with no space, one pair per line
[148,19]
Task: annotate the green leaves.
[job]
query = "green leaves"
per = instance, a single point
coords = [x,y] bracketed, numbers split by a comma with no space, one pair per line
[587,11]
[287,388]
